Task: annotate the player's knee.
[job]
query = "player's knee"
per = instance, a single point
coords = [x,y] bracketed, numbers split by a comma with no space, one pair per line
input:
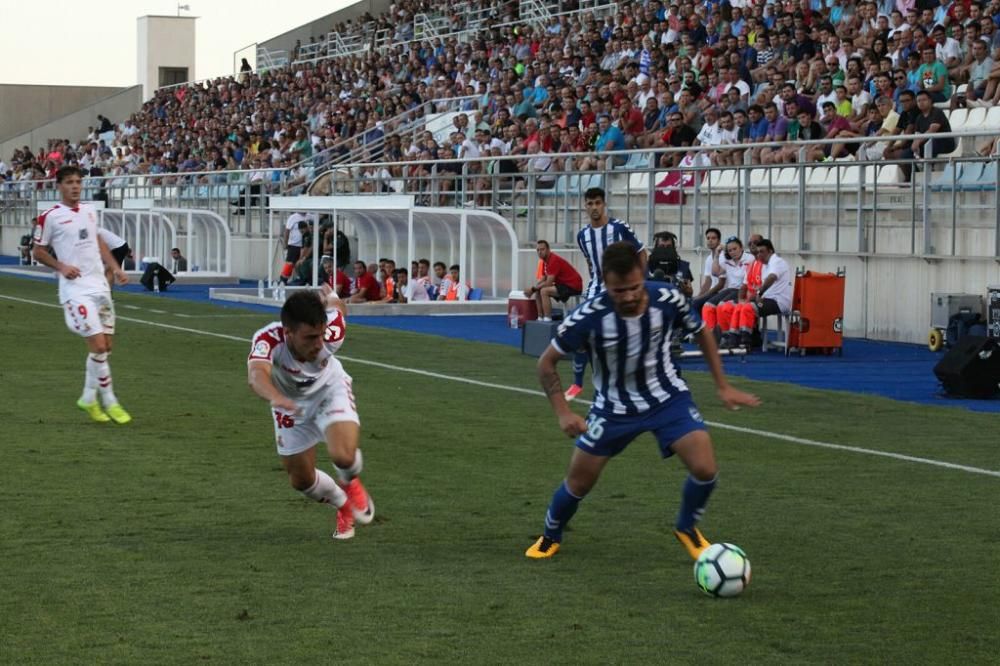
[705,470]
[580,484]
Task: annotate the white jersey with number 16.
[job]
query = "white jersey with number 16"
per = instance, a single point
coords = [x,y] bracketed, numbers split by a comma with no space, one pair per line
[300,379]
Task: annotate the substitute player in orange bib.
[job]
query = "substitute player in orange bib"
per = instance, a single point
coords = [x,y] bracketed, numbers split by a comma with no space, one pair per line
[292,366]
[70,229]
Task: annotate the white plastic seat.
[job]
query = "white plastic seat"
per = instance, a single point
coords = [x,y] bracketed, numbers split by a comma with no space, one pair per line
[787,177]
[889,174]
[957,119]
[974,120]
[638,183]
[992,120]
[819,176]
[758,178]
[722,179]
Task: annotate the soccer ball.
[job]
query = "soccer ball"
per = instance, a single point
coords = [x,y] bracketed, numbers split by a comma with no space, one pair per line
[722,570]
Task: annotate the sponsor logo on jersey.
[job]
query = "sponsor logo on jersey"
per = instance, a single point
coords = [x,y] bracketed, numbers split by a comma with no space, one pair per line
[262,348]
[84,234]
[695,414]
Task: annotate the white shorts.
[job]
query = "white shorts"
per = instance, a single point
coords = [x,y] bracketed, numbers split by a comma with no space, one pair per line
[90,314]
[295,433]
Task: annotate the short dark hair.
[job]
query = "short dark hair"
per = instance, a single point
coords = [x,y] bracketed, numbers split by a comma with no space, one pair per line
[67,171]
[454,267]
[766,242]
[425,262]
[543,242]
[713,230]
[594,193]
[620,258]
[303,307]
[439,263]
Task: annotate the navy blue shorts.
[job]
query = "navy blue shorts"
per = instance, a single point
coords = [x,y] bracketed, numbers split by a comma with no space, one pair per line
[608,436]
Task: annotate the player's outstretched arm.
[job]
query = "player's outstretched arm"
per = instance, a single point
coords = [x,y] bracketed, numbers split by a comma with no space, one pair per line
[110,263]
[570,422]
[731,397]
[331,301]
[259,378]
[42,255]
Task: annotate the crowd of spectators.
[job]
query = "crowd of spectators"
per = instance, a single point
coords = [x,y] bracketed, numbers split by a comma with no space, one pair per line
[724,75]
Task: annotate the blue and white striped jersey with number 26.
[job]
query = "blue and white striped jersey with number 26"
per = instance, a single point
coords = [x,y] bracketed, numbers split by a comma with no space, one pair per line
[633,372]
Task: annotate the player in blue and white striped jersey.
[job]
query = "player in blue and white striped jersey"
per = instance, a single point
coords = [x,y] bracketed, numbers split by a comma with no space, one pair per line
[626,331]
[593,240]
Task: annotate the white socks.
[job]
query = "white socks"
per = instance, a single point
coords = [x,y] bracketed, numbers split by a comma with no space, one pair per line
[345,475]
[326,491]
[98,380]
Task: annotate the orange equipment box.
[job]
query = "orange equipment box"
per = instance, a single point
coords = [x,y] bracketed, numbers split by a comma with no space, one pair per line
[817,320]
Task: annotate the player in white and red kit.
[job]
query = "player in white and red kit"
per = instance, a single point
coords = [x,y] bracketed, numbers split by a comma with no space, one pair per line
[292,366]
[70,229]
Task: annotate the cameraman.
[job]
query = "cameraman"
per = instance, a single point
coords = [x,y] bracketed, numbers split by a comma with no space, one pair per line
[665,265]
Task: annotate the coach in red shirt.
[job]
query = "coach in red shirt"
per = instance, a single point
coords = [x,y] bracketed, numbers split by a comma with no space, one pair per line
[364,287]
[559,281]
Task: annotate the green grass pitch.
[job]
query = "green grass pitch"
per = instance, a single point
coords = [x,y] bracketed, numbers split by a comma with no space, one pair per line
[176,539]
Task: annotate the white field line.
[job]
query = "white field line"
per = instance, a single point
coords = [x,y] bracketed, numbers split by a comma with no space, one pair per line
[516,389]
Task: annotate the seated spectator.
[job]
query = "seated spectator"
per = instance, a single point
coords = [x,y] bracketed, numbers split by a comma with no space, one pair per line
[930,120]
[730,267]
[340,282]
[777,132]
[932,76]
[559,281]
[773,297]
[364,287]
[416,290]
[178,263]
[887,125]
[834,125]
[710,282]
[609,138]
[387,270]
[678,135]
[457,290]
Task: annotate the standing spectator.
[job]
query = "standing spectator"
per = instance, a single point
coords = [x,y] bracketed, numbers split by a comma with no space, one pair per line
[291,237]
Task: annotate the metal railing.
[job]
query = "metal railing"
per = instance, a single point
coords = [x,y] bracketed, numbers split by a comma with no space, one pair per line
[949,208]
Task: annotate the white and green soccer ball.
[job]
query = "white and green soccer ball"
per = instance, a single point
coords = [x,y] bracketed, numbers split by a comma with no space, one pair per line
[722,570]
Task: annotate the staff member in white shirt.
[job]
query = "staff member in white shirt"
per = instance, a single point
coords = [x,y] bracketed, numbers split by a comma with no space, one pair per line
[773,297]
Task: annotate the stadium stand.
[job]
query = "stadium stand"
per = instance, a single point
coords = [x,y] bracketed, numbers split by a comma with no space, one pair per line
[545,73]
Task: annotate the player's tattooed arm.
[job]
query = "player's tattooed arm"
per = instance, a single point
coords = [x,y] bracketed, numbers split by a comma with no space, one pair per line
[551,383]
